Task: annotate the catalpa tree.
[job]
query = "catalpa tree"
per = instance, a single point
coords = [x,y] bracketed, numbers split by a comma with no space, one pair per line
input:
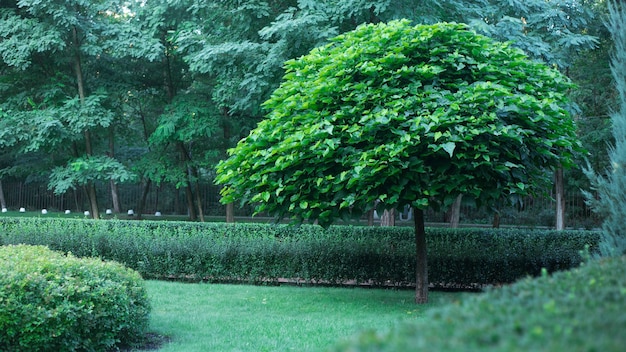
[406,115]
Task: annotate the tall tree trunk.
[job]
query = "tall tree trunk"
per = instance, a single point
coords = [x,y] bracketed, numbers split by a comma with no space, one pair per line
[115,199]
[230,207]
[141,205]
[190,207]
[421,268]
[91,187]
[560,199]
[388,218]
[455,212]
[194,172]
[3,202]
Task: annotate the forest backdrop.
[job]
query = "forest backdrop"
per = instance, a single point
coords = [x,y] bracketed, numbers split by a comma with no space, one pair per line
[153,93]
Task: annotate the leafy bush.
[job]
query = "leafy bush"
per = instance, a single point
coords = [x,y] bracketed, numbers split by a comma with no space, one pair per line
[262,252]
[579,310]
[56,302]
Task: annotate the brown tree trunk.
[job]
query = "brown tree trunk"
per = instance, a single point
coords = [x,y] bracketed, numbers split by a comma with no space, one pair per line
[115,199]
[91,188]
[560,199]
[141,205]
[190,207]
[3,202]
[455,212]
[421,268]
[198,197]
[230,213]
[388,218]
[496,220]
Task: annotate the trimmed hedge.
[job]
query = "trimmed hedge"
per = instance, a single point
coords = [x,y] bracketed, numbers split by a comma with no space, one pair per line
[264,253]
[55,302]
[579,310]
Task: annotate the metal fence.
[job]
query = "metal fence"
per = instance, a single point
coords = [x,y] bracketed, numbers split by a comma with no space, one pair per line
[533,211]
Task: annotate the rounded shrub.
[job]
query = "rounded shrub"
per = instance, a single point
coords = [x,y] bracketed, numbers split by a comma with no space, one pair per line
[50,301]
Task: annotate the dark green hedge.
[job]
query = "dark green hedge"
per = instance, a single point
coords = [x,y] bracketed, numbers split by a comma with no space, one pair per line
[262,252]
[579,310]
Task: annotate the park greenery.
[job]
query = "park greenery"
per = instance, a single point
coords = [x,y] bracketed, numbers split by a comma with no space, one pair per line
[155,93]
[339,107]
[401,115]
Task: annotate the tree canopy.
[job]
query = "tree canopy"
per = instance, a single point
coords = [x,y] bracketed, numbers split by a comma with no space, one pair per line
[408,115]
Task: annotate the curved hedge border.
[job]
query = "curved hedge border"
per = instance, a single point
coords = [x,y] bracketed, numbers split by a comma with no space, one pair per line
[579,310]
[55,302]
[264,253]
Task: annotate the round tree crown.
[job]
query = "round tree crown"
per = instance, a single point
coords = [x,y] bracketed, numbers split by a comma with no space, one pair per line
[407,115]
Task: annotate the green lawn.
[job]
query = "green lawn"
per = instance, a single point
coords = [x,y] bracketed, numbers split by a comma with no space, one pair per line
[209,317]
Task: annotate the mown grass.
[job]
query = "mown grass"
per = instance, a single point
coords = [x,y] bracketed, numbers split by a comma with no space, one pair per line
[210,317]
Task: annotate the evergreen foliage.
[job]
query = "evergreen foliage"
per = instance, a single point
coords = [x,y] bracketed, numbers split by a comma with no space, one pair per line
[57,302]
[578,310]
[264,253]
[611,198]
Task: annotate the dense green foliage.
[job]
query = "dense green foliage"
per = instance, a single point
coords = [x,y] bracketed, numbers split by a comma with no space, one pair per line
[56,302]
[610,200]
[579,310]
[264,253]
[408,115]
[169,85]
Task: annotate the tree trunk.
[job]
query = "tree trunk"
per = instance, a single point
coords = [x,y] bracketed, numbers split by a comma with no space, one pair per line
[91,188]
[455,212]
[230,213]
[388,218]
[496,220]
[560,199]
[3,202]
[115,199]
[370,217]
[190,208]
[141,205]
[198,198]
[93,201]
[421,268]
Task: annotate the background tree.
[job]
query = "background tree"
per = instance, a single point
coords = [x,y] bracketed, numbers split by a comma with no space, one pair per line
[57,42]
[405,115]
[610,188]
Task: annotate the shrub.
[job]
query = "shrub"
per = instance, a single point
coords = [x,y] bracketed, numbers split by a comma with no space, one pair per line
[56,302]
[579,310]
[262,252]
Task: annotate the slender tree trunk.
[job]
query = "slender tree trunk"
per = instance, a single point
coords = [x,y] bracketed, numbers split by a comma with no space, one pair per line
[421,274]
[141,205]
[230,213]
[198,196]
[91,187]
[455,212]
[190,207]
[115,199]
[3,202]
[388,218]
[560,199]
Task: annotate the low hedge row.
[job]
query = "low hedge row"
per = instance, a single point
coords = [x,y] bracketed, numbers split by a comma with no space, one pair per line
[263,252]
[55,302]
[579,310]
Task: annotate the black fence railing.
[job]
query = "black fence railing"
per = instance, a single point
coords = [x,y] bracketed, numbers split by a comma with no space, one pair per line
[533,211]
